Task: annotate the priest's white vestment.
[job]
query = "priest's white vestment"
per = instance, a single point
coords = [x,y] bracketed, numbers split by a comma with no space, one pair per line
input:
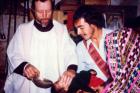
[51,52]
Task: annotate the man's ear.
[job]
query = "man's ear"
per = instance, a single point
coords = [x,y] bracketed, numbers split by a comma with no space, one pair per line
[94,27]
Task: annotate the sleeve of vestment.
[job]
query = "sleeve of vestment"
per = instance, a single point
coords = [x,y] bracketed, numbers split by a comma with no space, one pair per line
[15,50]
[70,57]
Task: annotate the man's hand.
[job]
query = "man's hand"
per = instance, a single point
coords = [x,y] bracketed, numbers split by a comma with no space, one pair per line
[65,80]
[31,72]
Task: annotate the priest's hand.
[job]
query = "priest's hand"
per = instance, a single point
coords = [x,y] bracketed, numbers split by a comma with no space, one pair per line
[31,72]
[65,80]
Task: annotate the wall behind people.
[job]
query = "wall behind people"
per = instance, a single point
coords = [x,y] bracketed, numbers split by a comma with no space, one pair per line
[133,23]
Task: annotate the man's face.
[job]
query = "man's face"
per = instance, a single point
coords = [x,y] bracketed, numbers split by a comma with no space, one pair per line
[84,29]
[43,12]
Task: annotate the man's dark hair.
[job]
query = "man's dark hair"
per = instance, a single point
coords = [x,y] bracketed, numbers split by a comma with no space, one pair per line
[33,3]
[90,14]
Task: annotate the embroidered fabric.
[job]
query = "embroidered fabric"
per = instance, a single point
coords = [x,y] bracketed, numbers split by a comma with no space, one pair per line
[123,56]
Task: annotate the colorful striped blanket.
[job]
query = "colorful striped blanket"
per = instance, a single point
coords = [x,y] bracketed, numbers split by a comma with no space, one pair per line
[123,57]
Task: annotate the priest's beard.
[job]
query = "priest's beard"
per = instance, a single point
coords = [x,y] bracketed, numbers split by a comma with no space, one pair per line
[43,27]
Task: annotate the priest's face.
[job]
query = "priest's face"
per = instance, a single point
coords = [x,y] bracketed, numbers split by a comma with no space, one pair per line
[84,29]
[43,12]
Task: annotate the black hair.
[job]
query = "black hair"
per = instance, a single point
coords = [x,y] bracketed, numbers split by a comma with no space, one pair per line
[90,14]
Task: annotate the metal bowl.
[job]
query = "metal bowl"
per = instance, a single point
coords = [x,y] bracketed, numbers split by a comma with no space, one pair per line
[42,83]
